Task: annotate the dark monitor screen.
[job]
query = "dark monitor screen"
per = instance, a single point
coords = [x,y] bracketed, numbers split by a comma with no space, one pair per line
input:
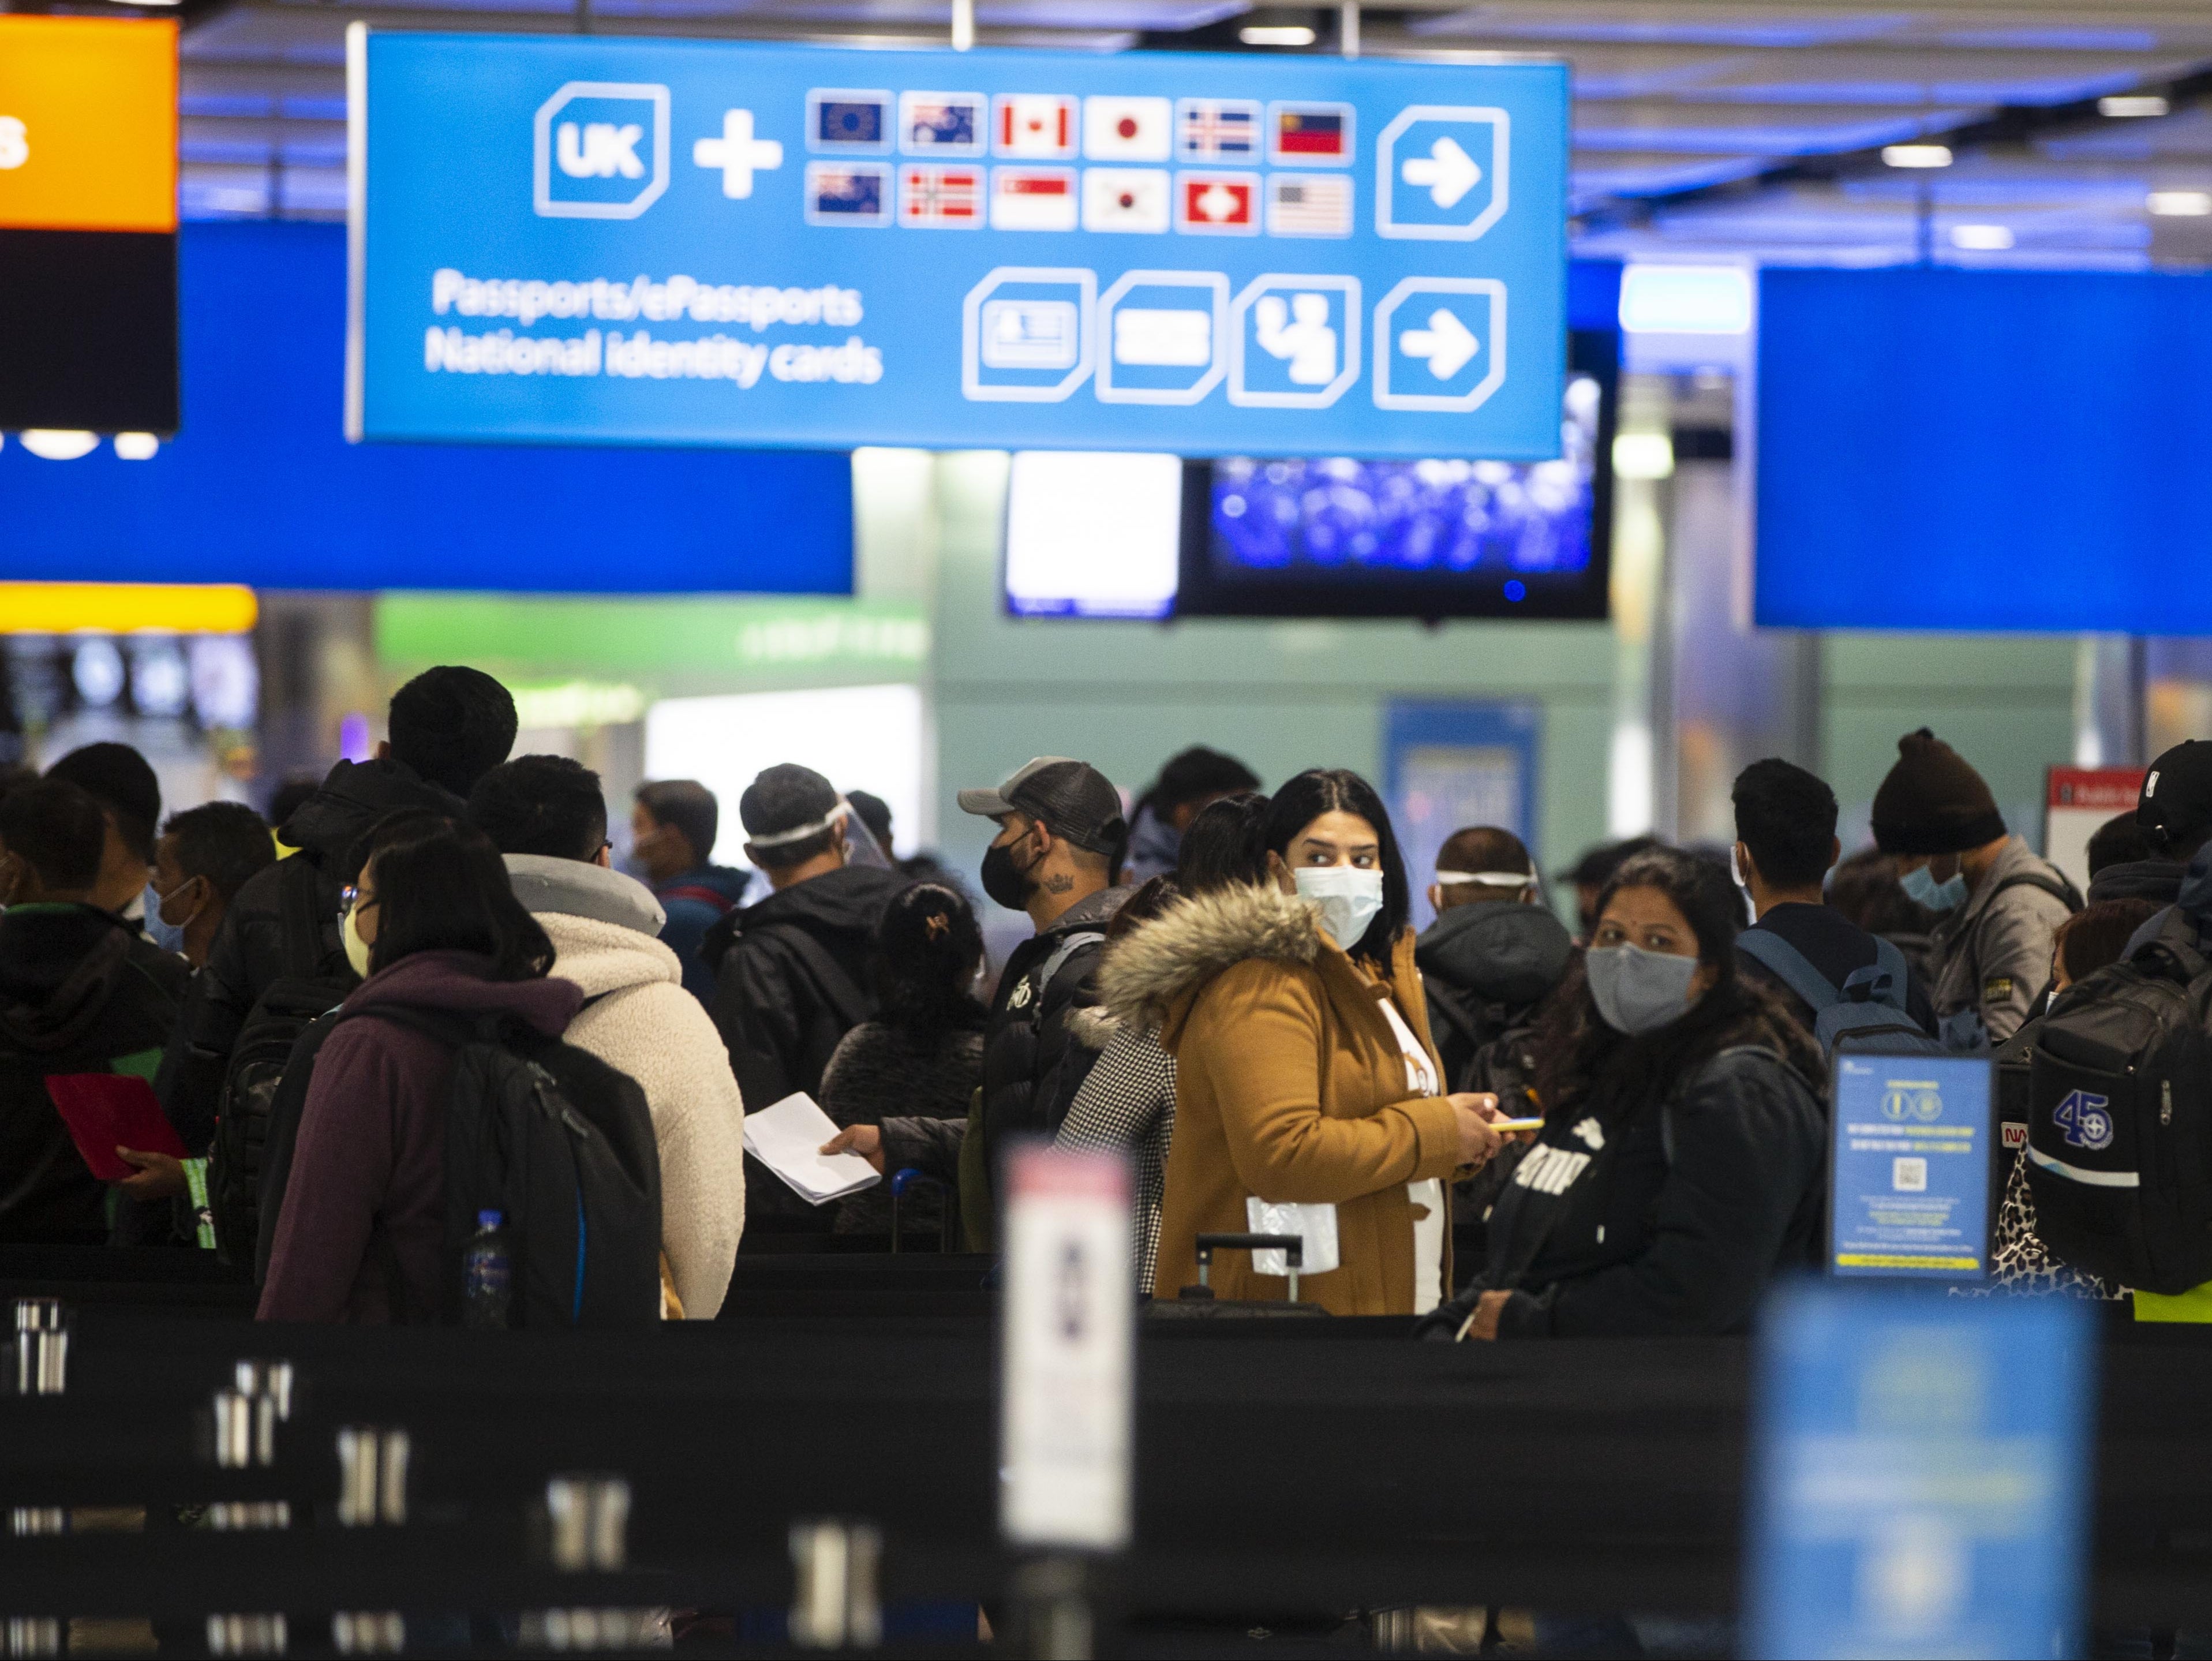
[1447,537]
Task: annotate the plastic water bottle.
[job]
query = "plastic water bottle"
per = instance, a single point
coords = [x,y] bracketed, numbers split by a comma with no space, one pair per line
[487,1281]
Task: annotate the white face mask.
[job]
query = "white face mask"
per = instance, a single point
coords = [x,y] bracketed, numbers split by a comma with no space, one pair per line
[1348,898]
[356,949]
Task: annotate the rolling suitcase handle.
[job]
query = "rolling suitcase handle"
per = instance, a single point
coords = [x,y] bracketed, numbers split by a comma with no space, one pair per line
[1292,1246]
[949,1224]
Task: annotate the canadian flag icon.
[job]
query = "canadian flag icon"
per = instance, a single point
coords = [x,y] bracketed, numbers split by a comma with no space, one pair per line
[1217,203]
[1034,124]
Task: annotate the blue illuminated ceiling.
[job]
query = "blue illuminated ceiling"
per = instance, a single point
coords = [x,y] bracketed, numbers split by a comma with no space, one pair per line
[1707,125]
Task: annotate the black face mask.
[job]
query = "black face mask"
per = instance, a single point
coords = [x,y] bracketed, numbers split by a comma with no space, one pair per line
[1006,885]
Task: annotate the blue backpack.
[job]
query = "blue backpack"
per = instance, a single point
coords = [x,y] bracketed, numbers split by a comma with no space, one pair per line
[1868,1013]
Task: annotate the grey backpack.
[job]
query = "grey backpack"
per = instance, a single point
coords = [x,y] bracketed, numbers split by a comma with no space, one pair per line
[1866,1013]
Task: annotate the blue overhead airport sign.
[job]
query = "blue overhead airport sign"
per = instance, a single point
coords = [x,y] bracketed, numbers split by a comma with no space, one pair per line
[663,242]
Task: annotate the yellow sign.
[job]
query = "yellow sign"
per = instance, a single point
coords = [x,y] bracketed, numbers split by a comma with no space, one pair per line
[125,608]
[87,124]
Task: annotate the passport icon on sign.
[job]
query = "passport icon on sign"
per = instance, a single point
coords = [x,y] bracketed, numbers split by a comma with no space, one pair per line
[600,150]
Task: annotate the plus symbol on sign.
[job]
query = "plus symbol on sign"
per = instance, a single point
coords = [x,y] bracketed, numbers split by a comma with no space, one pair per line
[738,154]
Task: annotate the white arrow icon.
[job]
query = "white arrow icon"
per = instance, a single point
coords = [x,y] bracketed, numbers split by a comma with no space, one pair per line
[1446,343]
[1449,172]
[737,153]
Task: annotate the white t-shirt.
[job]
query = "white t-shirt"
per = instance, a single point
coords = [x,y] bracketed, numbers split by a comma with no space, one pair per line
[1428,1195]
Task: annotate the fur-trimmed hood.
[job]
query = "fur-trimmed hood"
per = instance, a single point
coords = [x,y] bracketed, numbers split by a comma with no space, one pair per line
[1161,965]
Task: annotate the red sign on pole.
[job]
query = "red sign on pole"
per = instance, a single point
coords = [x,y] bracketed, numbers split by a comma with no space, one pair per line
[2076,801]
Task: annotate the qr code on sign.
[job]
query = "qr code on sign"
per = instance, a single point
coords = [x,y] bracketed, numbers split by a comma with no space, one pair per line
[1909,1175]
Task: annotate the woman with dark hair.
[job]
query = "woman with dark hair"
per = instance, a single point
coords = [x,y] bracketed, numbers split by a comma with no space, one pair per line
[433,924]
[918,1062]
[1680,1167]
[1307,1096]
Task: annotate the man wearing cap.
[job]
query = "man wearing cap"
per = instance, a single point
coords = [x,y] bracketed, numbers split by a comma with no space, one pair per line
[2173,812]
[2001,905]
[1061,829]
[792,970]
[1495,951]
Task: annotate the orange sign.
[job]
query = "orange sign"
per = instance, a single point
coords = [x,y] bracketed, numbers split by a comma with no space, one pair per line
[87,124]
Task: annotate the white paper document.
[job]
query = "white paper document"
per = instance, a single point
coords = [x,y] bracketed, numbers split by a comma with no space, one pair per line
[785,1138]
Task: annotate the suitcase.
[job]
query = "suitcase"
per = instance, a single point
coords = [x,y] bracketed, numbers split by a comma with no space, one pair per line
[1198,1302]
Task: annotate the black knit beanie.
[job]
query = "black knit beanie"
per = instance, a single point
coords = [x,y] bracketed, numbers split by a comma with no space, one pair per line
[1933,802]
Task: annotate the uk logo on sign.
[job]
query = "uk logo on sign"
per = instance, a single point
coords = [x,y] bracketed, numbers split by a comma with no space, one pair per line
[600,150]
[1217,204]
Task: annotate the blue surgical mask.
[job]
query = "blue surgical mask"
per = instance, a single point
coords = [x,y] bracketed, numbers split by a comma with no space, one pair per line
[1922,889]
[1638,991]
[1348,898]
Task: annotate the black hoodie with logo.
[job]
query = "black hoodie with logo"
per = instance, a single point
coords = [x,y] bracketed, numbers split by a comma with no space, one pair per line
[81,991]
[248,952]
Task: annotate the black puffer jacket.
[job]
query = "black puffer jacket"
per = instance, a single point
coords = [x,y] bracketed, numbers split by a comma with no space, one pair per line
[1665,1207]
[80,992]
[1484,968]
[1033,1062]
[248,952]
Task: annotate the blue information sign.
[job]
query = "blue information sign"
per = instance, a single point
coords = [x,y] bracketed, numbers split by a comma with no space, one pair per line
[1911,1142]
[1919,1476]
[697,242]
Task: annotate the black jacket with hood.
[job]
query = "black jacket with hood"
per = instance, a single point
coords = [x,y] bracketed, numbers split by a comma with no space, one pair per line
[1484,968]
[1662,1202]
[780,1013]
[81,991]
[791,980]
[248,952]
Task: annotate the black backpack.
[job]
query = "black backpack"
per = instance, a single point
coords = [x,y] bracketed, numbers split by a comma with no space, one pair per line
[2119,1137]
[562,1144]
[314,981]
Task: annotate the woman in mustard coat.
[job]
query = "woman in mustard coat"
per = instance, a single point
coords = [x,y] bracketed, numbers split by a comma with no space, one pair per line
[1305,1074]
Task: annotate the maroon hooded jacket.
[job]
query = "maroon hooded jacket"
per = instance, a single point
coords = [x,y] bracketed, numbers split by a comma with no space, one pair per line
[371,1157]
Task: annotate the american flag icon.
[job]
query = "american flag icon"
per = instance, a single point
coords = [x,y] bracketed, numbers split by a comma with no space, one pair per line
[941,197]
[1309,204]
[1208,129]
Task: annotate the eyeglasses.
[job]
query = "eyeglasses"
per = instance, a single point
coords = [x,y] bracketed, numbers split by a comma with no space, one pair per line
[352,899]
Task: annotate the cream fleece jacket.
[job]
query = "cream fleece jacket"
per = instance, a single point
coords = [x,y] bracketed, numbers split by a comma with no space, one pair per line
[645,1024]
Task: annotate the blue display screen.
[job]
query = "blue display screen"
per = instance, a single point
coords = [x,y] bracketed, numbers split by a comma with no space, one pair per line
[260,487]
[2004,450]
[1414,517]
[1447,536]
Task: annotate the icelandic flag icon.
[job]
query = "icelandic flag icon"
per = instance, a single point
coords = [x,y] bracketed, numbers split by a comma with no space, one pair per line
[1208,129]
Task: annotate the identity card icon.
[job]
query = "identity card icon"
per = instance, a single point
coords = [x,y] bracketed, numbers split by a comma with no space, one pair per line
[1026,334]
[1441,173]
[1440,343]
[1294,341]
[601,151]
[1161,337]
